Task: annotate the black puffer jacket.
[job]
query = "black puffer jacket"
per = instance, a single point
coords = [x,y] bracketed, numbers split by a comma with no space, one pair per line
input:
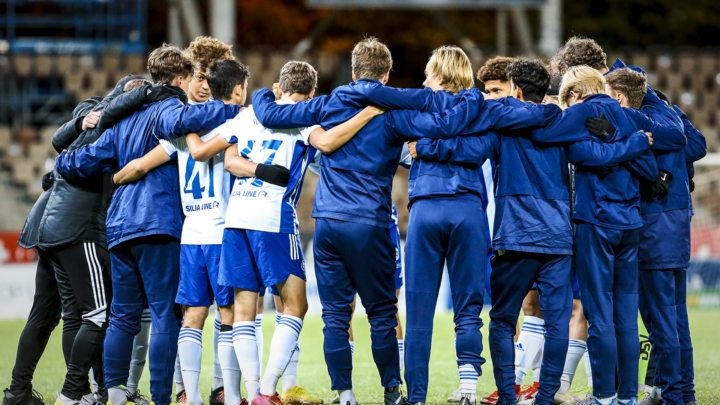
[76,211]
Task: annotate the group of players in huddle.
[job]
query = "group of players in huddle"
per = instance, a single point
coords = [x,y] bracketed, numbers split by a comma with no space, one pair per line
[571,182]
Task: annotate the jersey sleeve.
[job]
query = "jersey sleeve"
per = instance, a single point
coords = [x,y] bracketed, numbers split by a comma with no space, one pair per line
[305,133]
[170,147]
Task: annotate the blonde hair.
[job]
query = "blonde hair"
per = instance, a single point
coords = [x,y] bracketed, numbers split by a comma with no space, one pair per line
[583,80]
[298,77]
[135,83]
[451,65]
[371,59]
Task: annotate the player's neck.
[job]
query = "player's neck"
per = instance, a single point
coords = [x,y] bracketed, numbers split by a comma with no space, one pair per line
[296,97]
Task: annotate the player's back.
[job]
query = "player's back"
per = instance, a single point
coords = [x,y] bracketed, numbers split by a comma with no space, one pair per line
[253,203]
[204,190]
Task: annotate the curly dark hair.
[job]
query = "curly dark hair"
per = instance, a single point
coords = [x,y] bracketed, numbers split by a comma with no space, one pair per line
[206,50]
[630,83]
[494,69]
[531,77]
[578,51]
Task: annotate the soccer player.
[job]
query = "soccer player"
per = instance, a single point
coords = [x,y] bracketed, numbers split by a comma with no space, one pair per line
[493,76]
[205,189]
[204,51]
[261,245]
[144,223]
[662,274]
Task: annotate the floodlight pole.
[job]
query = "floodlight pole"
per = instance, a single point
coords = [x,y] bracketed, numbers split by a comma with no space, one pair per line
[501,31]
[222,17]
[551,27]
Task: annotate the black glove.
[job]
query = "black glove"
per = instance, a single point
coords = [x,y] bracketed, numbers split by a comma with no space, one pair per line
[662,96]
[162,92]
[599,127]
[692,185]
[662,184]
[273,174]
[48,180]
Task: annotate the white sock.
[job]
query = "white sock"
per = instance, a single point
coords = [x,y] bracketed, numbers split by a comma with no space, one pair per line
[179,386]
[537,363]
[190,352]
[289,377]
[623,401]
[217,368]
[243,336]
[656,393]
[259,341]
[229,366]
[588,368]
[117,396]
[278,317]
[530,341]
[352,359]
[605,401]
[347,396]
[401,351]
[139,351]
[468,379]
[284,342]
[576,351]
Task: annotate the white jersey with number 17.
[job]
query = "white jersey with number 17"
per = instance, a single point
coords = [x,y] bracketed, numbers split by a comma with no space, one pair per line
[204,191]
[258,205]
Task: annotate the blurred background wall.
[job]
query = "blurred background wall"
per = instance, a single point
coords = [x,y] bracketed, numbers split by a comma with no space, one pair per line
[54,54]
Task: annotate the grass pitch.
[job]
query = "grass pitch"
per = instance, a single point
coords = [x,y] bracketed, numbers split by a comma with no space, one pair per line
[312,372]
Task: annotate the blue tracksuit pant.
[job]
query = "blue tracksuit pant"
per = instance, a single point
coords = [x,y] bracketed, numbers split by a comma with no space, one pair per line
[513,276]
[352,257]
[441,229]
[145,271]
[606,263]
[664,312]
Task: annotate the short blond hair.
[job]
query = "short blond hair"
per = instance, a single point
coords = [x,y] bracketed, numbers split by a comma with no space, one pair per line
[298,77]
[167,62]
[135,83]
[583,80]
[452,66]
[371,59]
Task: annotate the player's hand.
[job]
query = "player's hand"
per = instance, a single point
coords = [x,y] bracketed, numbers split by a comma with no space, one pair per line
[661,188]
[375,110]
[91,120]
[412,149]
[273,174]
[649,135]
[600,127]
[48,180]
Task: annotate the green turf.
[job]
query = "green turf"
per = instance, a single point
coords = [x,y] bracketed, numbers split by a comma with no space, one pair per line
[313,373]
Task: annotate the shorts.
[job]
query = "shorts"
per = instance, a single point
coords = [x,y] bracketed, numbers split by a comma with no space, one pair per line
[198,286]
[395,236]
[252,260]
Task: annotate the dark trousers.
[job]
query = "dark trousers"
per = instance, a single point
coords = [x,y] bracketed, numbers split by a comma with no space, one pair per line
[664,312]
[440,230]
[606,261]
[513,276]
[350,258]
[145,272]
[44,317]
[82,271]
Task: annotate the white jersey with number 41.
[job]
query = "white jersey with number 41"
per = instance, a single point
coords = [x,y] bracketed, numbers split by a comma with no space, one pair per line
[204,191]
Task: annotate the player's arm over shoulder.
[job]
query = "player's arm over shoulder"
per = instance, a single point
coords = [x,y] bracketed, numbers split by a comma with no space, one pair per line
[138,168]
[331,140]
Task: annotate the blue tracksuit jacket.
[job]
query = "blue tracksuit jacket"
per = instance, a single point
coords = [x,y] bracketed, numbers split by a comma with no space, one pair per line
[696,147]
[356,180]
[152,204]
[607,192]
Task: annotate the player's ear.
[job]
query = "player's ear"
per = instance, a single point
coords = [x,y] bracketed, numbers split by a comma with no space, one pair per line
[385,78]
[312,94]
[354,77]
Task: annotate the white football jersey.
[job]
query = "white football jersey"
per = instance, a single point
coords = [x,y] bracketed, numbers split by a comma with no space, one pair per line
[255,204]
[204,191]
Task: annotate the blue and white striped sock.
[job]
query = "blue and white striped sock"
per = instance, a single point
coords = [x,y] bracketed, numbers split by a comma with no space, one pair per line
[401,353]
[283,345]
[190,352]
[575,352]
[529,343]
[243,336]
[259,340]
[229,366]
[468,379]
[217,368]
[278,317]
